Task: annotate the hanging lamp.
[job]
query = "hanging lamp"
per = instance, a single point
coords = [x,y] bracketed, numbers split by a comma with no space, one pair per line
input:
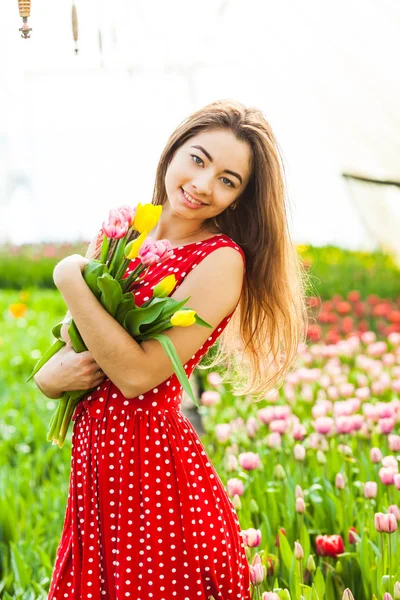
[75,27]
[25,12]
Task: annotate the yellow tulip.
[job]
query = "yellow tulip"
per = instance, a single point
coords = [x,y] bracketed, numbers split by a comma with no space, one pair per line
[18,309]
[147,217]
[165,287]
[183,318]
[133,248]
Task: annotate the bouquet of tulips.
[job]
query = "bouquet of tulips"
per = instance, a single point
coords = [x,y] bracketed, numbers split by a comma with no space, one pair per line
[105,279]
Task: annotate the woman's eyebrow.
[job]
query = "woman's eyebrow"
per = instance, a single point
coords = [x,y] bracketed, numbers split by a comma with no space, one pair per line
[210,158]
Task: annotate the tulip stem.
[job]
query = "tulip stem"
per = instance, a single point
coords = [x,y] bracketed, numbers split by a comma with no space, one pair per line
[390,559]
[383,555]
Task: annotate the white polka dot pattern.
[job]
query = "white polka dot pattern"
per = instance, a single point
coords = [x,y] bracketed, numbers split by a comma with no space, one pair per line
[147,514]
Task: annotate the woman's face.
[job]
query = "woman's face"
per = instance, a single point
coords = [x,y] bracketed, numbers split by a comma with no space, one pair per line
[212,167]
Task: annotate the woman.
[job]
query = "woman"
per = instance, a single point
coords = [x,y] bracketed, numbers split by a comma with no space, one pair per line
[147,514]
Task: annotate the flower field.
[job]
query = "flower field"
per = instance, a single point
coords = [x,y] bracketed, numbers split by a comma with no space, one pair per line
[312,470]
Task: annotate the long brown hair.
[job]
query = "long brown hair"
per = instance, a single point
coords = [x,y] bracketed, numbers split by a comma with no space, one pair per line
[262,337]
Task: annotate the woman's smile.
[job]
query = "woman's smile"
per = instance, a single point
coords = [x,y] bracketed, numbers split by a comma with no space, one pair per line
[190,200]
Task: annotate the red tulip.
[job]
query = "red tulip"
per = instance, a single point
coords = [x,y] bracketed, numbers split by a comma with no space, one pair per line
[352,539]
[329,545]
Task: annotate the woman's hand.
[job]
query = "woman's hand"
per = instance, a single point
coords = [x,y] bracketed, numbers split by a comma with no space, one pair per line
[68,267]
[69,371]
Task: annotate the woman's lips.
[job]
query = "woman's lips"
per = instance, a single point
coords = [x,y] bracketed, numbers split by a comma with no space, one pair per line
[191,204]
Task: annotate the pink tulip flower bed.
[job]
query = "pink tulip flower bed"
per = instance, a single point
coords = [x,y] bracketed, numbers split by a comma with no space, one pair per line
[313,471]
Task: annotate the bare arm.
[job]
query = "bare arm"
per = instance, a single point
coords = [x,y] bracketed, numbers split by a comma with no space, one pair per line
[89,254]
[214,288]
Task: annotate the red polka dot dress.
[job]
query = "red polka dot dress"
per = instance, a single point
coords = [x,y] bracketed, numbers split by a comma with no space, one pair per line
[147,514]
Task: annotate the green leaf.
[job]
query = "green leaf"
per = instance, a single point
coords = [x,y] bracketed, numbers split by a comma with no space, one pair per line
[200,321]
[22,572]
[137,317]
[305,541]
[171,306]
[76,340]
[319,584]
[46,356]
[127,303]
[118,256]
[171,352]
[286,551]
[111,293]
[93,270]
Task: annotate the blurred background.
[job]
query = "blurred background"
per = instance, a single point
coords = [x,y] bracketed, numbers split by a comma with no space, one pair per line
[82,125]
[81,133]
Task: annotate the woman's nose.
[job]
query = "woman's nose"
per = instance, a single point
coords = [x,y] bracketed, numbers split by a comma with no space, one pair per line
[203,185]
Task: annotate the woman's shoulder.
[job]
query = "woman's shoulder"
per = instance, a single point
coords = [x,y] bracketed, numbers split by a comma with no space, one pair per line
[222,240]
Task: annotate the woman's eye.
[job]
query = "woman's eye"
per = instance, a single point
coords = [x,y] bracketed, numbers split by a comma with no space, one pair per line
[227,181]
[194,156]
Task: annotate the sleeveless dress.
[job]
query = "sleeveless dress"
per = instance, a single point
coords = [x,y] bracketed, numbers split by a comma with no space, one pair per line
[147,515]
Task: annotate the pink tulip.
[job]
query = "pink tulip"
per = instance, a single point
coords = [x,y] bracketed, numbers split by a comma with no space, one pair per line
[377,349]
[375,455]
[278,426]
[300,505]
[128,212]
[386,425]
[325,381]
[394,338]
[274,440]
[257,572]
[223,432]
[266,415]
[270,596]
[388,359]
[394,510]
[299,452]
[251,537]
[333,393]
[368,337]
[339,481]
[385,410]
[387,596]
[391,463]
[282,411]
[362,379]
[116,226]
[321,409]
[396,480]
[299,491]
[379,387]
[346,389]
[307,393]
[299,432]
[386,475]
[363,393]
[323,425]
[342,409]
[249,461]
[396,386]
[370,489]
[298,551]
[385,523]
[210,398]
[231,463]
[235,486]
[370,411]
[292,378]
[344,425]
[214,378]
[155,251]
[357,421]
